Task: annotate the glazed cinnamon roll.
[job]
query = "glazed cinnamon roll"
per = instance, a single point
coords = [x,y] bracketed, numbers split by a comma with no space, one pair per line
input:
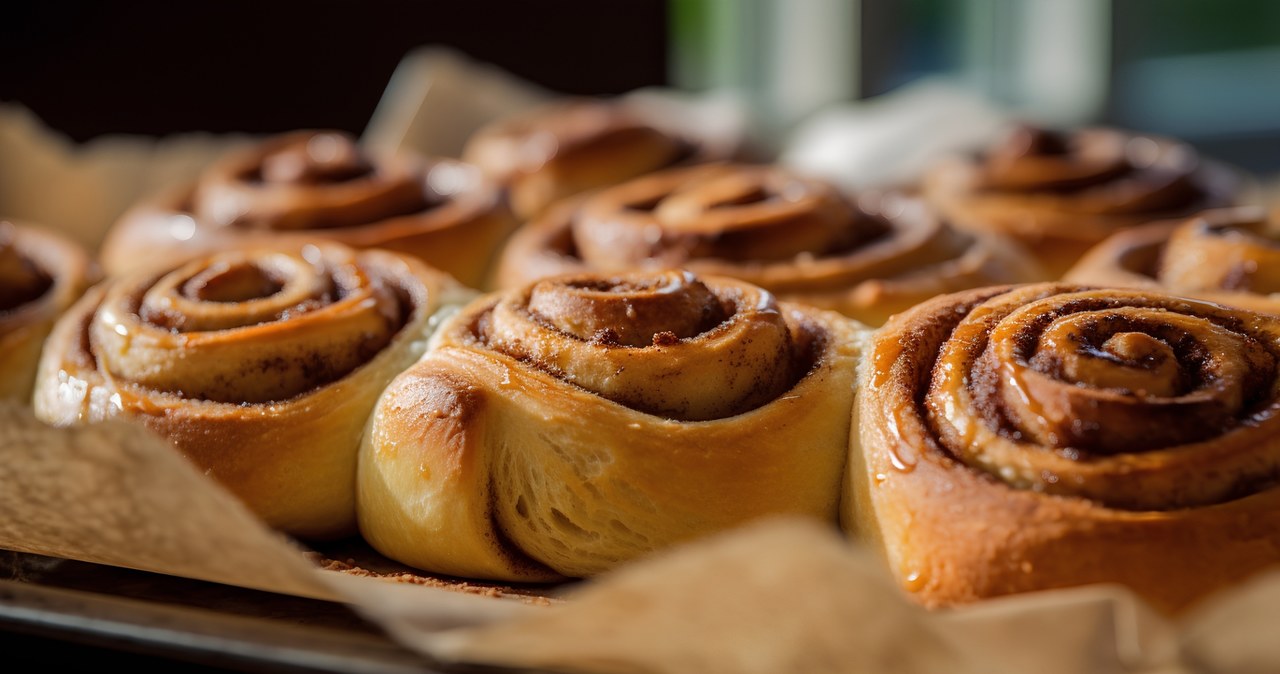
[261,366]
[798,237]
[565,427]
[566,148]
[1061,192]
[1015,439]
[41,274]
[1230,256]
[297,187]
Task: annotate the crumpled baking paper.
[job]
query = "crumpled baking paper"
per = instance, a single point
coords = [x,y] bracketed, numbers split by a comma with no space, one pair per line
[782,595]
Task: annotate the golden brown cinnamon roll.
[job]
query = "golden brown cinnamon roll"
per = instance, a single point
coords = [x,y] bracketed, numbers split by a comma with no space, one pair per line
[299,186]
[1060,193]
[261,366]
[568,426]
[1230,256]
[1043,436]
[798,237]
[41,274]
[566,148]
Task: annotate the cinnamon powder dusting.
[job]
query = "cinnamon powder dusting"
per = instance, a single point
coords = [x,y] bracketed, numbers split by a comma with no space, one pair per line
[665,338]
[496,591]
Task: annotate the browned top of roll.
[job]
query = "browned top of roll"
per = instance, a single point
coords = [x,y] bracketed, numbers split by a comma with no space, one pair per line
[250,326]
[666,343]
[21,279]
[569,147]
[572,131]
[800,237]
[1133,399]
[1226,255]
[1102,170]
[316,180]
[1103,177]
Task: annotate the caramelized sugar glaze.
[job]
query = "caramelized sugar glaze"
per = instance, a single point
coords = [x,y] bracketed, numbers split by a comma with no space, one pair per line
[1126,427]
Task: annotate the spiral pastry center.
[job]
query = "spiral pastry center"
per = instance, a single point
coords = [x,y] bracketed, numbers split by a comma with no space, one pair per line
[312,180]
[247,327]
[1039,159]
[635,312]
[585,130]
[232,283]
[664,343]
[731,213]
[1103,172]
[1125,379]
[21,281]
[1206,255]
[1079,391]
[322,158]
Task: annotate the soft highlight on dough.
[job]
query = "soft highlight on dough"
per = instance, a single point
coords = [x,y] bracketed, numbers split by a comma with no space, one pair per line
[261,366]
[566,427]
[1022,438]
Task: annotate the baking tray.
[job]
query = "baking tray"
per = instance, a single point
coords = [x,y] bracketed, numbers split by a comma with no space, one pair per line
[77,615]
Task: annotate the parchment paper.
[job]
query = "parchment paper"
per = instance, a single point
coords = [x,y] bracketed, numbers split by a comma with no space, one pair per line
[779,596]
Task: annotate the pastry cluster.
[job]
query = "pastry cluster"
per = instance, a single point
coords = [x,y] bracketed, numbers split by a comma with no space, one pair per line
[674,343]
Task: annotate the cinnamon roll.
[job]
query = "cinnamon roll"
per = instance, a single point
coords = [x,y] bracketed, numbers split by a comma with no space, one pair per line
[261,366]
[798,237]
[1230,256]
[1061,192]
[41,274]
[1024,438]
[565,427]
[299,186]
[569,147]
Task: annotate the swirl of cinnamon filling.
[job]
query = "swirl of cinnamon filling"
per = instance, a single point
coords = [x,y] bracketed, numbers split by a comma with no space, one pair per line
[562,428]
[565,148]
[616,336]
[1060,192]
[1230,256]
[41,274]
[261,366]
[1079,393]
[1127,427]
[309,184]
[796,236]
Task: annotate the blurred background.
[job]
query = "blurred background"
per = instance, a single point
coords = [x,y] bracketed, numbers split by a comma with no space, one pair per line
[1199,70]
